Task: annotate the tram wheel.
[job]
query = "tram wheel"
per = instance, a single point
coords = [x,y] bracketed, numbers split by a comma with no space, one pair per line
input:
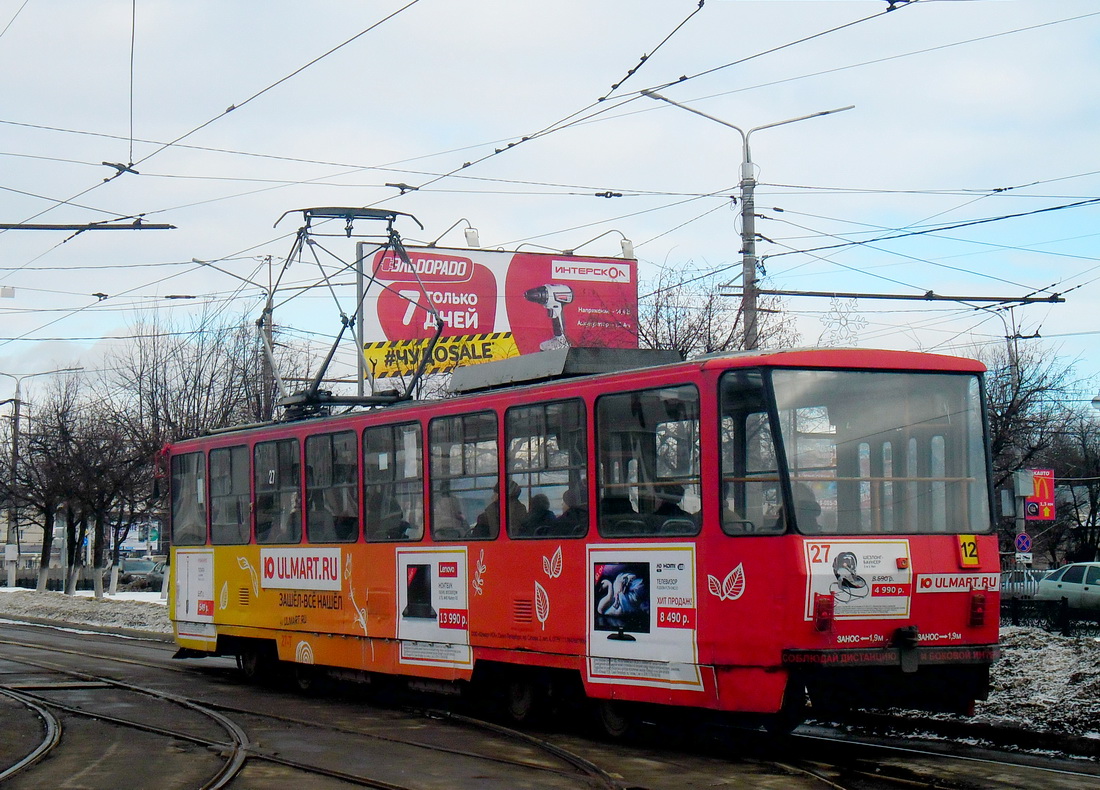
[254,663]
[308,679]
[791,713]
[524,700]
[615,719]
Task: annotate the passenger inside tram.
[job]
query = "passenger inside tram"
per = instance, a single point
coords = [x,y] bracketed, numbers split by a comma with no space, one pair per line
[539,515]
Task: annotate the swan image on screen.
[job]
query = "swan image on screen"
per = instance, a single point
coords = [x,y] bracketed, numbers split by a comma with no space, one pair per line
[622,599]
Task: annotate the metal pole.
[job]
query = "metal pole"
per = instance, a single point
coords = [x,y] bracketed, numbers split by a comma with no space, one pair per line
[12,539]
[264,325]
[267,370]
[360,362]
[749,290]
[748,250]
[13,512]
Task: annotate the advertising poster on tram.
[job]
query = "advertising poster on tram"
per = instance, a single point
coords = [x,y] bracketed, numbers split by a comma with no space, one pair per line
[642,616]
[494,305]
[433,608]
[868,579]
[194,598]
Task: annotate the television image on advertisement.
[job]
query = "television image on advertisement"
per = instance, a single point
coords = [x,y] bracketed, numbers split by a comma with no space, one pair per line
[621,599]
[419,588]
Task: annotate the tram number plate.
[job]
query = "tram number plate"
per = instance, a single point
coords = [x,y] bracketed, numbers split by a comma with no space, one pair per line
[968,551]
[454,618]
[675,618]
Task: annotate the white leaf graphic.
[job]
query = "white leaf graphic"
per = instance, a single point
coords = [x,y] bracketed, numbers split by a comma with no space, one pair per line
[546,567]
[245,565]
[555,564]
[730,588]
[542,604]
[223,599]
[714,586]
[733,586]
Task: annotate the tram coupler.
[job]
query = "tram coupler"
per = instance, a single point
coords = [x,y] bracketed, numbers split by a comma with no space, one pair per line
[905,640]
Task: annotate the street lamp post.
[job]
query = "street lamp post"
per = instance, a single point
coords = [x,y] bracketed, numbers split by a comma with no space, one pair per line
[12,543]
[748,210]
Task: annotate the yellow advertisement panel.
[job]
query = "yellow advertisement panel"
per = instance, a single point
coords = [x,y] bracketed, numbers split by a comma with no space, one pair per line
[401,357]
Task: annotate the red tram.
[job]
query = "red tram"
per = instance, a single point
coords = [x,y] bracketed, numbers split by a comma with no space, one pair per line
[735,533]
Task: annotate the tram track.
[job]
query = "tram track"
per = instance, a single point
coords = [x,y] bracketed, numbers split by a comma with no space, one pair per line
[583,763]
[50,737]
[239,749]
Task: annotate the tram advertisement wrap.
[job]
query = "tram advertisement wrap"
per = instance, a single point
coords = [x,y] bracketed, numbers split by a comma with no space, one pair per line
[495,305]
[433,607]
[643,616]
[867,579]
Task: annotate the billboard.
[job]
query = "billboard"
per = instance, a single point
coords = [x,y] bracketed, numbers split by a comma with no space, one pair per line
[1040,505]
[494,305]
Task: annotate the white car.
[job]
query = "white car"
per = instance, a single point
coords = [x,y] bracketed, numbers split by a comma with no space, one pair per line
[1078,583]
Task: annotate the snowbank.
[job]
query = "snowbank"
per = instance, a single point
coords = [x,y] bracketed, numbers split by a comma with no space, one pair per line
[139,611]
[1042,682]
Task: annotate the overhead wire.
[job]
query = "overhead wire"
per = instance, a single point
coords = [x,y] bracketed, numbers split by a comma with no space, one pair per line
[629,74]
[14,16]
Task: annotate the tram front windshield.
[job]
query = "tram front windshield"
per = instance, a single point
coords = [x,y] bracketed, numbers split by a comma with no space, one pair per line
[866,453]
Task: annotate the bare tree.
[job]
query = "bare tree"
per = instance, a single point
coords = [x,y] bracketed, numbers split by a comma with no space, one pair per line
[176,381]
[683,310]
[46,472]
[1075,454]
[1025,392]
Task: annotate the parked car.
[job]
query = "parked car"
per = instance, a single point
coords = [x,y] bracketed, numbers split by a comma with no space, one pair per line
[132,569]
[155,577]
[1078,583]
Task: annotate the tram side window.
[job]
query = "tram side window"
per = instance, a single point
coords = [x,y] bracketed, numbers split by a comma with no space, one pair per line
[464,478]
[229,495]
[393,486]
[189,499]
[649,462]
[750,490]
[278,492]
[332,488]
[547,458]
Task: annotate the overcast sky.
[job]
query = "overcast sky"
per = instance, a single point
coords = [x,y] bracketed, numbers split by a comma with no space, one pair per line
[964,111]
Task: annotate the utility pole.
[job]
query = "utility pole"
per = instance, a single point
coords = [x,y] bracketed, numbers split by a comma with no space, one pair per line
[360,294]
[268,372]
[749,290]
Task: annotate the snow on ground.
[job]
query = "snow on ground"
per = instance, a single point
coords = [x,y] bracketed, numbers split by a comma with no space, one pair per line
[140,611]
[1045,682]
[1042,682]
